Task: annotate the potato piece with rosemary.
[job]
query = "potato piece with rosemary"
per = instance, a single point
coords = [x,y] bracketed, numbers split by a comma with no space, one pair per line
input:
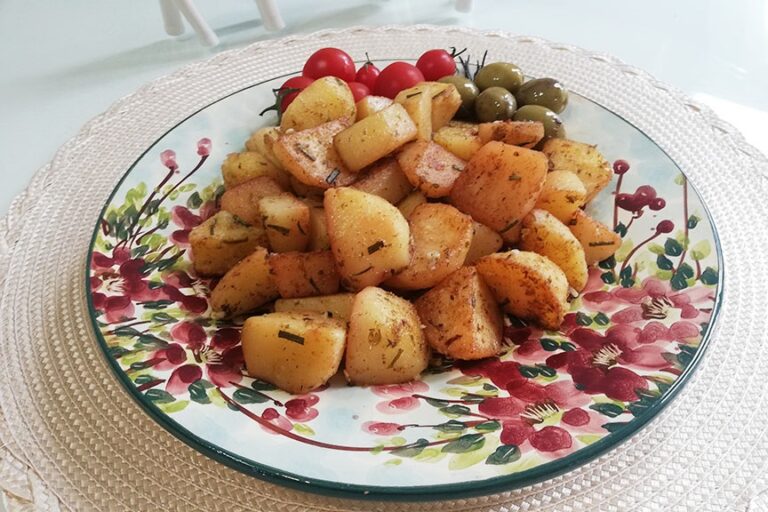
[430,167]
[446,101]
[459,138]
[385,344]
[545,235]
[518,133]
[221,241]
[297,352]
[326,99]
[417,101]
[243,200]
[370,238]
[241,167]
[385,179]
[485,241]
[262,141]
[318,230]
[584,160]
[440,239]
[500,185]
[306,191]
[311,157]
[286,221]
[245,287]
[409,204]
[598,240]
[370,105]
[563,195]
[337,306]
[375,137]
[304,274]
[461,318]
[527,285]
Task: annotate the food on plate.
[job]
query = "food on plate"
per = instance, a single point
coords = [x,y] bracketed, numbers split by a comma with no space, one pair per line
[380,227]
[297,352]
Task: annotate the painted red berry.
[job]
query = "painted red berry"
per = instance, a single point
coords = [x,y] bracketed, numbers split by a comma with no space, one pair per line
[550,439]
[627,202]
[657,204]
[576,417]
[665,226]
[644,195]
[620,166]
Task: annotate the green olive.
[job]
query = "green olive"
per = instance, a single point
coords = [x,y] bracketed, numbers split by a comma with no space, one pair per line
[467,90]
[546,92]
[495,104]
[499,74]
[553,125]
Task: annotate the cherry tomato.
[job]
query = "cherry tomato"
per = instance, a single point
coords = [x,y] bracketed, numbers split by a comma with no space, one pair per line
[359,91]
[297,82]
[367,75]
[435,64]
[396,77]
[330,62]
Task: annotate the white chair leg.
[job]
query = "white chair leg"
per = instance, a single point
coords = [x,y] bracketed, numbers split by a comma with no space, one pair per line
[199,25]
[171,18]
[270,15]
[463,5]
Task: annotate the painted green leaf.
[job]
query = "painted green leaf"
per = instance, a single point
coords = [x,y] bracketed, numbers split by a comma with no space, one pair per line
[602,319]
[143,379]
[126,332]
[693,221]
[664,275]
[248,396]
[546,371]
[465,380]
[686,270]
[504,454]
[664,263]
[411,450]
[459,410]
[584,319]
[588,438]
[672,247]
[709,276]
[198,393]
[626,278]
[679,179]
[614,427]
[163,317]
[436,402]
[303,429]
[701,250]
[607,263]
[451,426]
[608,277]
[529,372]
[173,407]
[159,396]
[260,385]
[678,281]
[607,409]
[489,387]
[621,229]
[549,345]
[157,304]
[465,443]
[567,346]
[656,248]
[194,201]
[150,341]
[488,426]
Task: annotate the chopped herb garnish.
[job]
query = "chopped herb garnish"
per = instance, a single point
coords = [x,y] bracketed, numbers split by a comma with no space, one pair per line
[331,178]
[413,94]
[301,149]
[452,339]
[240,221]
[370,267]
[213,226]
[394,359]
[514,177]
[600,244]
[290,337]
[314,285]
[280,229]
[301,229]
[444,91]
[510,226]
[375,247]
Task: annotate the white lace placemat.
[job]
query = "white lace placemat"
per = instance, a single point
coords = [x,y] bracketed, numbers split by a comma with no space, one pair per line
[72,438]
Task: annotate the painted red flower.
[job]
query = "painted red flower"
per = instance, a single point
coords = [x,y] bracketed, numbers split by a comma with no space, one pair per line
[185,220]
[194,300]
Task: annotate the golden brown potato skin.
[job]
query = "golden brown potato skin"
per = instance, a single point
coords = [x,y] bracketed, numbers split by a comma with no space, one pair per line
[485,241]
[461,317]
[262,140]
[304,274]
[324,100]
[370,238]
[370,105]
[409,204]
[246,286]
[338,306]
[563,194]
[286,221]
[417,101]
[518,133]
[446,101]
[385,179]
[243,200]
[500,185]
[582,159]
[440,239]
[598,240]
[221,241]
[527,285]
[296,352]
[430,167]
[238,168]
[545,235]
[385,344]
[459,138]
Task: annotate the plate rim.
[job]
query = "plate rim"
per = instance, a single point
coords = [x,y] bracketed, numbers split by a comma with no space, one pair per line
[458,490]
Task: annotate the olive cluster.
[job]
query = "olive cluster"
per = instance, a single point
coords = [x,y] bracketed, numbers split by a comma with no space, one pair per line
[498,91]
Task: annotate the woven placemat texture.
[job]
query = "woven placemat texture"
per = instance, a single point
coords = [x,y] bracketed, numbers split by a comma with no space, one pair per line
[71,437]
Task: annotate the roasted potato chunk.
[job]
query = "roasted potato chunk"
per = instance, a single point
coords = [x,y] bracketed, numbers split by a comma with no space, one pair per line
[370,238]
[221,241]
[326,99]
[440,239]
[417,101]
[370,105]
[318,230]
[241,167]
[407,205]
[518,133]
[385,179]
[311,158]
[459,138]
[485,241]
[243,200]
[262,141]
[527,285]
[597,239]
[430,167]
[374,137]
[461,317]
[385,344]
[562,196]
[286,221]
[545,235]
[296,352]
[246,286]
[582,159]
[306,191]
[445,103]
[337,306]
[500,185]
[304,274]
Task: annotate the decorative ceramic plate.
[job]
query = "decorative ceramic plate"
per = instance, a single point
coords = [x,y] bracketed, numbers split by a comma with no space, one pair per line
[555,400]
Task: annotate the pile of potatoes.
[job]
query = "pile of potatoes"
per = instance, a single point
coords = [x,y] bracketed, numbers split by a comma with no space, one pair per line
[373,232]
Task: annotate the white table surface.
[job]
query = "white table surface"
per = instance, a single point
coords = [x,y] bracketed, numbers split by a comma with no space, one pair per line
[63,62]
